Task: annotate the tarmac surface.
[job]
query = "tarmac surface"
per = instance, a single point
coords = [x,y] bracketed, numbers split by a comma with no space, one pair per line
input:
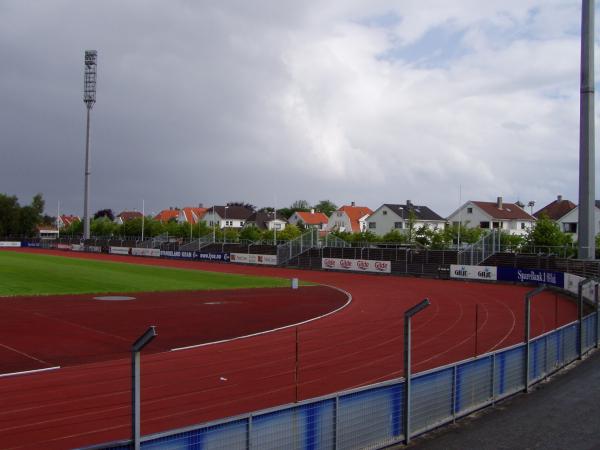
[561,413]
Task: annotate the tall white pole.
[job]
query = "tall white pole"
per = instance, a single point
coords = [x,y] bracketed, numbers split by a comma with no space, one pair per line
[459,212]
[58,219]
[89,98]
[143,219]
[213,224]
[587,182]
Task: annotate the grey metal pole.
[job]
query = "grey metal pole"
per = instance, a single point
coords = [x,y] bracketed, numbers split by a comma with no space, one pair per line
[407,358]
[580,286]
[86,198]
[597,301]
[136,348]
[586,228]
[528,298]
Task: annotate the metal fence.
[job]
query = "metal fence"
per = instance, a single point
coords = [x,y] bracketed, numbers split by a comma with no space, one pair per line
[372,417]
[296,247]
[475,253]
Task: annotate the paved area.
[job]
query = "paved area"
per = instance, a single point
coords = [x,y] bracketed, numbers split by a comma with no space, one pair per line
[563,413]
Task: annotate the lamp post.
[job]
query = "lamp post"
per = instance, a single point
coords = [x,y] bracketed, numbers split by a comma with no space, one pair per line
[136,348]
[225,227]
[408,314]
[89,98]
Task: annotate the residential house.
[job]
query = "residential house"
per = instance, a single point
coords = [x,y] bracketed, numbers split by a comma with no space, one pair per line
[167,215]
[266,221]
[389,217]
[563,212]
[65,220]
[566,214]
[191,215]
[311,219]
[227,216]
[509,217]
[126,216]
[349,218]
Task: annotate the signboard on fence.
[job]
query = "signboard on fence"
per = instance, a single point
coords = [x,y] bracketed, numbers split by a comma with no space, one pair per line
[487,273]
[77,247]
[119,250]
[93,249]
[223,257]
[177,254]
[10,243]
[250,258]
[531,276]
[152,252]
[357,265]
[572,285]
[63,246]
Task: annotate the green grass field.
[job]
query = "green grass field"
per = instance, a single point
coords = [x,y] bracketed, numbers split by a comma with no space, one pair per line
[36,274]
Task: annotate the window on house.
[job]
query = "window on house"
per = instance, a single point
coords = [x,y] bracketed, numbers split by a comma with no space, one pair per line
[372,225]
[278,226]
[241,223]
[496,224]
[398,225]
[484,224]
[522,225]
[469,210]
[384,212]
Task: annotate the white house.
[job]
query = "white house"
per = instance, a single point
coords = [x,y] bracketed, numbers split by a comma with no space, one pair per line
[227,216]
[349,218]
[508,217]
[266,221]
[566,214]
[389,217]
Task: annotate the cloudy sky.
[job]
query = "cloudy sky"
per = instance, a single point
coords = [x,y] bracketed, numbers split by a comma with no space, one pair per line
[270,101]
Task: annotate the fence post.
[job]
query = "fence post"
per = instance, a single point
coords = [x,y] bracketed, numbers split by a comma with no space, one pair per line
[597,314]
[407,347]
[136,348]
[580,316]
[528,298]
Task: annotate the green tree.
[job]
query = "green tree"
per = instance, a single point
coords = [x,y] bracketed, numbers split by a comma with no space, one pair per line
[326,207]
[300,205]
[9,215]
[289,232]
[364,236]
[250,233]
[546,233]
[396,236]
[103,226]
[104,213]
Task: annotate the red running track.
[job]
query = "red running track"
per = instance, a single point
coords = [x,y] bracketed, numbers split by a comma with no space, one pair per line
[361,344]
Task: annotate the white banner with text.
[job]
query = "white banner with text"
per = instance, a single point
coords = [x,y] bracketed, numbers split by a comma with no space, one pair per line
[357,265]
[489,273]
[249,258]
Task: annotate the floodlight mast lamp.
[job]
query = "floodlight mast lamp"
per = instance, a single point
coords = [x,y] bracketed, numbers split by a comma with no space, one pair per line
[89,98]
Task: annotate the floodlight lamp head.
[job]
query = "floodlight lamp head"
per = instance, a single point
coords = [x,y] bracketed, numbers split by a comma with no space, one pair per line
[89,78]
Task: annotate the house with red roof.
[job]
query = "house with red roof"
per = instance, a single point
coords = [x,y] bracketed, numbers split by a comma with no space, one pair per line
[126,216]
[349,218]
[167,215]
[65,220]
[191,215]
[498,215]
[311,219]
[564,212]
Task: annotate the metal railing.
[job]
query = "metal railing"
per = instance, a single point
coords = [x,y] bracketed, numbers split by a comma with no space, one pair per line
[197,244]
[296,247]
[475,253]
[372,416]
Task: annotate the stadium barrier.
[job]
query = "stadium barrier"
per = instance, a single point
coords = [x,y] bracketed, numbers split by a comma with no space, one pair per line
[372,416]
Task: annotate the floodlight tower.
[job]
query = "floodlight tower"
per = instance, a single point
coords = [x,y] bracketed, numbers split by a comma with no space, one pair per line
[89,98]
[587,182]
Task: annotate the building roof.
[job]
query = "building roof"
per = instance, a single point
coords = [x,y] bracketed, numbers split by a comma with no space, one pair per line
[557,209]
[312,218]
[193,215]
[233,212]
[420,212]
[129,215]
[167,214]
[261,219]
[508,211]
[67,220]
[355,213]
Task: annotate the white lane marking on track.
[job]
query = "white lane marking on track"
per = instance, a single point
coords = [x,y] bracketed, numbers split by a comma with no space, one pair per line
[24,354]
[27,372]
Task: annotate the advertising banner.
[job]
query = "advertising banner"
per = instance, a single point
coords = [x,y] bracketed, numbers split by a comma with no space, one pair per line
[77,247]
[10,243]
[93,249]
[119,250]
[250,258]
[63,246]
[357,265]
[152,252]
[223,257]
[177,254]
[572,285]
[487,273]
[531,276]
[29,244]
